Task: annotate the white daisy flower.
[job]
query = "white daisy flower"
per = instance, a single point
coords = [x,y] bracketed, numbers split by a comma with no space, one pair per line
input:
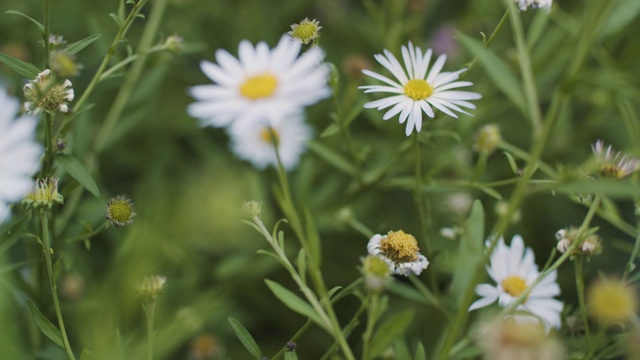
[19,153]
[260,84]
[418,90]
[514,269]
[254,141]
[399,251]
[534,4]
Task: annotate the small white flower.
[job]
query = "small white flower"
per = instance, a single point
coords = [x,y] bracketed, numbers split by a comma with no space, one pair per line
[514,269]
[418,90]
[534,4]
[254,142]
[262,84]
[19,153]
[399,251]
[613,164]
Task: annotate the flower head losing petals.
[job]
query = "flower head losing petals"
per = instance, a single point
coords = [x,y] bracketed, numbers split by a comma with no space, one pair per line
[151,287]
[611,300]
[613,164]
[534,4]
[19,153]
[120,211]
[307,31]
[513,269]
[256,142]
[44,194]
[400,251]
[261,84]
[44,93]
[418,89]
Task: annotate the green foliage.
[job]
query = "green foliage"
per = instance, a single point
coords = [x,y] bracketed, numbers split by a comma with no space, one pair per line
[245,338]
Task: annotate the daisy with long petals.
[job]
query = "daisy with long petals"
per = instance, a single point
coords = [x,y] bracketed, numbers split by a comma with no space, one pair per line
[418,89]
[514,270]
[260,84]
[19,153]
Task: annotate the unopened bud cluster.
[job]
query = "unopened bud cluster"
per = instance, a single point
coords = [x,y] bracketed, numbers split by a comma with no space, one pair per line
[589,245]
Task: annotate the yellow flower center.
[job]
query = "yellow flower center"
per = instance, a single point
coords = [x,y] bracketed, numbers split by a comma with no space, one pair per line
[305,31]
[259,86]
[120,211]
[612,171]
[400,247]
[610,301]
[514,285]
[270,136]
[418,89]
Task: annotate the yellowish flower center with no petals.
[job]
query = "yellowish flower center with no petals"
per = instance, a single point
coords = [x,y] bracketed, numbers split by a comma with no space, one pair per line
[270,135]
[418,89]
[120,211]
[514,285]
[259,86]
[400,247]
[305,31]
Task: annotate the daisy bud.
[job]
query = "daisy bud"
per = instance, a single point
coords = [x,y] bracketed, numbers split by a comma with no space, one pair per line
[175,44]
[487,139]
[307,31]
[64,64]
[376,273]
[44,194]
[151,287]
[252,208]
[120,211]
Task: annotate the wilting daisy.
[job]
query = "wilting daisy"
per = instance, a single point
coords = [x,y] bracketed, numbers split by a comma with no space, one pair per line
[613,164]
[400,251]
[45,93]
[262,84]
[19,153]
[534,4]
[254,141]
[417,88]
[514,269]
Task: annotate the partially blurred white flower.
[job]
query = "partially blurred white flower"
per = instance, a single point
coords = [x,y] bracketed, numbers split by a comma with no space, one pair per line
[254,141]
[261,85]
[534,4]
[400,251]
[417,88]
[306,31]
[19,153]
[613,164]
[513,269]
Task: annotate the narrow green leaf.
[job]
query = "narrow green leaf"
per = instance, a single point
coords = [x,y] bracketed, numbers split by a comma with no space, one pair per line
[332,129]
[9,238]
[315,251]
[332,157]
[470,252]
[245,338]
[512,161]
[608,187]
[86,355]
[333,290]
[420,353]
[75,168]
[389,332]
[46,326]
[77,46]
[36,22]
[290,355]
[497,70]
[295,303]
[302,264]
[25,69]
[119,346]
[491,192]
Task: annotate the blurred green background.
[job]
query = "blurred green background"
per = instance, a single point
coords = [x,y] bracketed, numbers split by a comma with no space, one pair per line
[188,187]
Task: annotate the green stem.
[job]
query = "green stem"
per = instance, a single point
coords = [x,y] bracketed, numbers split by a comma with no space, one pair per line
[150,309]
[372,318]
[90,234]
[46,247]
[480,166]
[346,135]
[122,31]
[581,301]
[49,151]
[47,33]
[132,76]
[492,37]
[419,198]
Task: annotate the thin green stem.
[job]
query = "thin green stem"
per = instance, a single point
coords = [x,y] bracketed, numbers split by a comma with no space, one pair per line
[47,33]
[90,234]
[419,198]
[581,301]
[480,167]
[492,37]
[46,247]
[150,309]
[49,151]
[132,76]
[372,302]
[122,31]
